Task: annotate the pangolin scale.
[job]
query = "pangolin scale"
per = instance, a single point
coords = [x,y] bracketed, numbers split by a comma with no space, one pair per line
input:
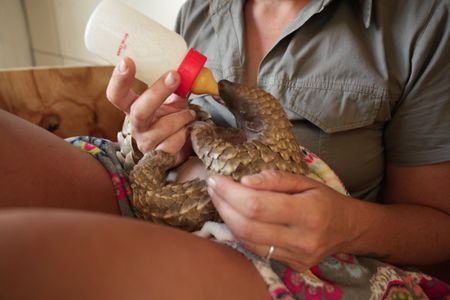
[262,140]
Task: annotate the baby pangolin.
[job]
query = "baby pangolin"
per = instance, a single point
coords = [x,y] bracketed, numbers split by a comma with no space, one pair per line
[262,140]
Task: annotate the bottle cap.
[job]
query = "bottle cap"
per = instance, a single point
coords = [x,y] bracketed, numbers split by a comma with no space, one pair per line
[189,68]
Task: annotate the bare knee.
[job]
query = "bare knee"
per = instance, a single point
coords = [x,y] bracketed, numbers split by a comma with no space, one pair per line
[40,169]
[59,254]
[97,256]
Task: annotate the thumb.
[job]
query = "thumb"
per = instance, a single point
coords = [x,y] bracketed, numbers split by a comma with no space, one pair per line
[279,181]
[119,91]
[172,104]
[176,101]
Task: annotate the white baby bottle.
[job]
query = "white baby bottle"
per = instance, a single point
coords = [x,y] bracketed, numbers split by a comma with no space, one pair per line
[116,30]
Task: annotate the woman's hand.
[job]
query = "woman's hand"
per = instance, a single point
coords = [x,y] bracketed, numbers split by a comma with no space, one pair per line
[303,219]
[158,117]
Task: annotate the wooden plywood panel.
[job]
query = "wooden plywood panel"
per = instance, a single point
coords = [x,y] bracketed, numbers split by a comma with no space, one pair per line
[66,101]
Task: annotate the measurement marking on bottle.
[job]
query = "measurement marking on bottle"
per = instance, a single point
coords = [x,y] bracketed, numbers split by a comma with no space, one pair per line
[123,44]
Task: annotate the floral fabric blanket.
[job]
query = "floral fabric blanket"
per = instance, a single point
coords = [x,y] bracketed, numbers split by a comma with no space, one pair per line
[341,276]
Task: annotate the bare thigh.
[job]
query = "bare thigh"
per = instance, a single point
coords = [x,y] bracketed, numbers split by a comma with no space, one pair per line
[40,169]
[61,254]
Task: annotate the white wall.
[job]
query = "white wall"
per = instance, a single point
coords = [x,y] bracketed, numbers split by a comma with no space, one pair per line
[56,27]
[14,41]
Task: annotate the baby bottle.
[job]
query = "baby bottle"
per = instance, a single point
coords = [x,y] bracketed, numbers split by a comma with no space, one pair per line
[116,30]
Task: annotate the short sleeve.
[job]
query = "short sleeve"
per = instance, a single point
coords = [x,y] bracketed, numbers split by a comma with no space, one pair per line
[419,131]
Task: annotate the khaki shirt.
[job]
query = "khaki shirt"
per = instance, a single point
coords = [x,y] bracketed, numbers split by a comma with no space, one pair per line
[362,81]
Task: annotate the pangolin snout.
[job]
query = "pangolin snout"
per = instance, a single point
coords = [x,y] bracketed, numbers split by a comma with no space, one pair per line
[230,94]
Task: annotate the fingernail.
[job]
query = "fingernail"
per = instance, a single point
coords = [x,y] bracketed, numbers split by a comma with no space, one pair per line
[193,113]
[253,179]
[210,192]
[211,182]
[122,66]
[171,99]
[169,80]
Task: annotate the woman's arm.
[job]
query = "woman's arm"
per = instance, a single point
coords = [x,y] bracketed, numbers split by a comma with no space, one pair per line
[413,228]
[305,220]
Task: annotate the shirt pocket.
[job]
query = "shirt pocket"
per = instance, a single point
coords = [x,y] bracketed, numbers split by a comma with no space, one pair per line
[343,125]
[339,108]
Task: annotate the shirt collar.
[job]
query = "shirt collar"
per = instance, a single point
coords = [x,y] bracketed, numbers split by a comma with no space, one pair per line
[365,6]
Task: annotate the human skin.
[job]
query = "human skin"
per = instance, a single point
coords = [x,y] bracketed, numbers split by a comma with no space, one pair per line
[417,216]
[61,254]
[70,253]
[37,169]
[322,221]
[416,195]
[35,253]
[158,118]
